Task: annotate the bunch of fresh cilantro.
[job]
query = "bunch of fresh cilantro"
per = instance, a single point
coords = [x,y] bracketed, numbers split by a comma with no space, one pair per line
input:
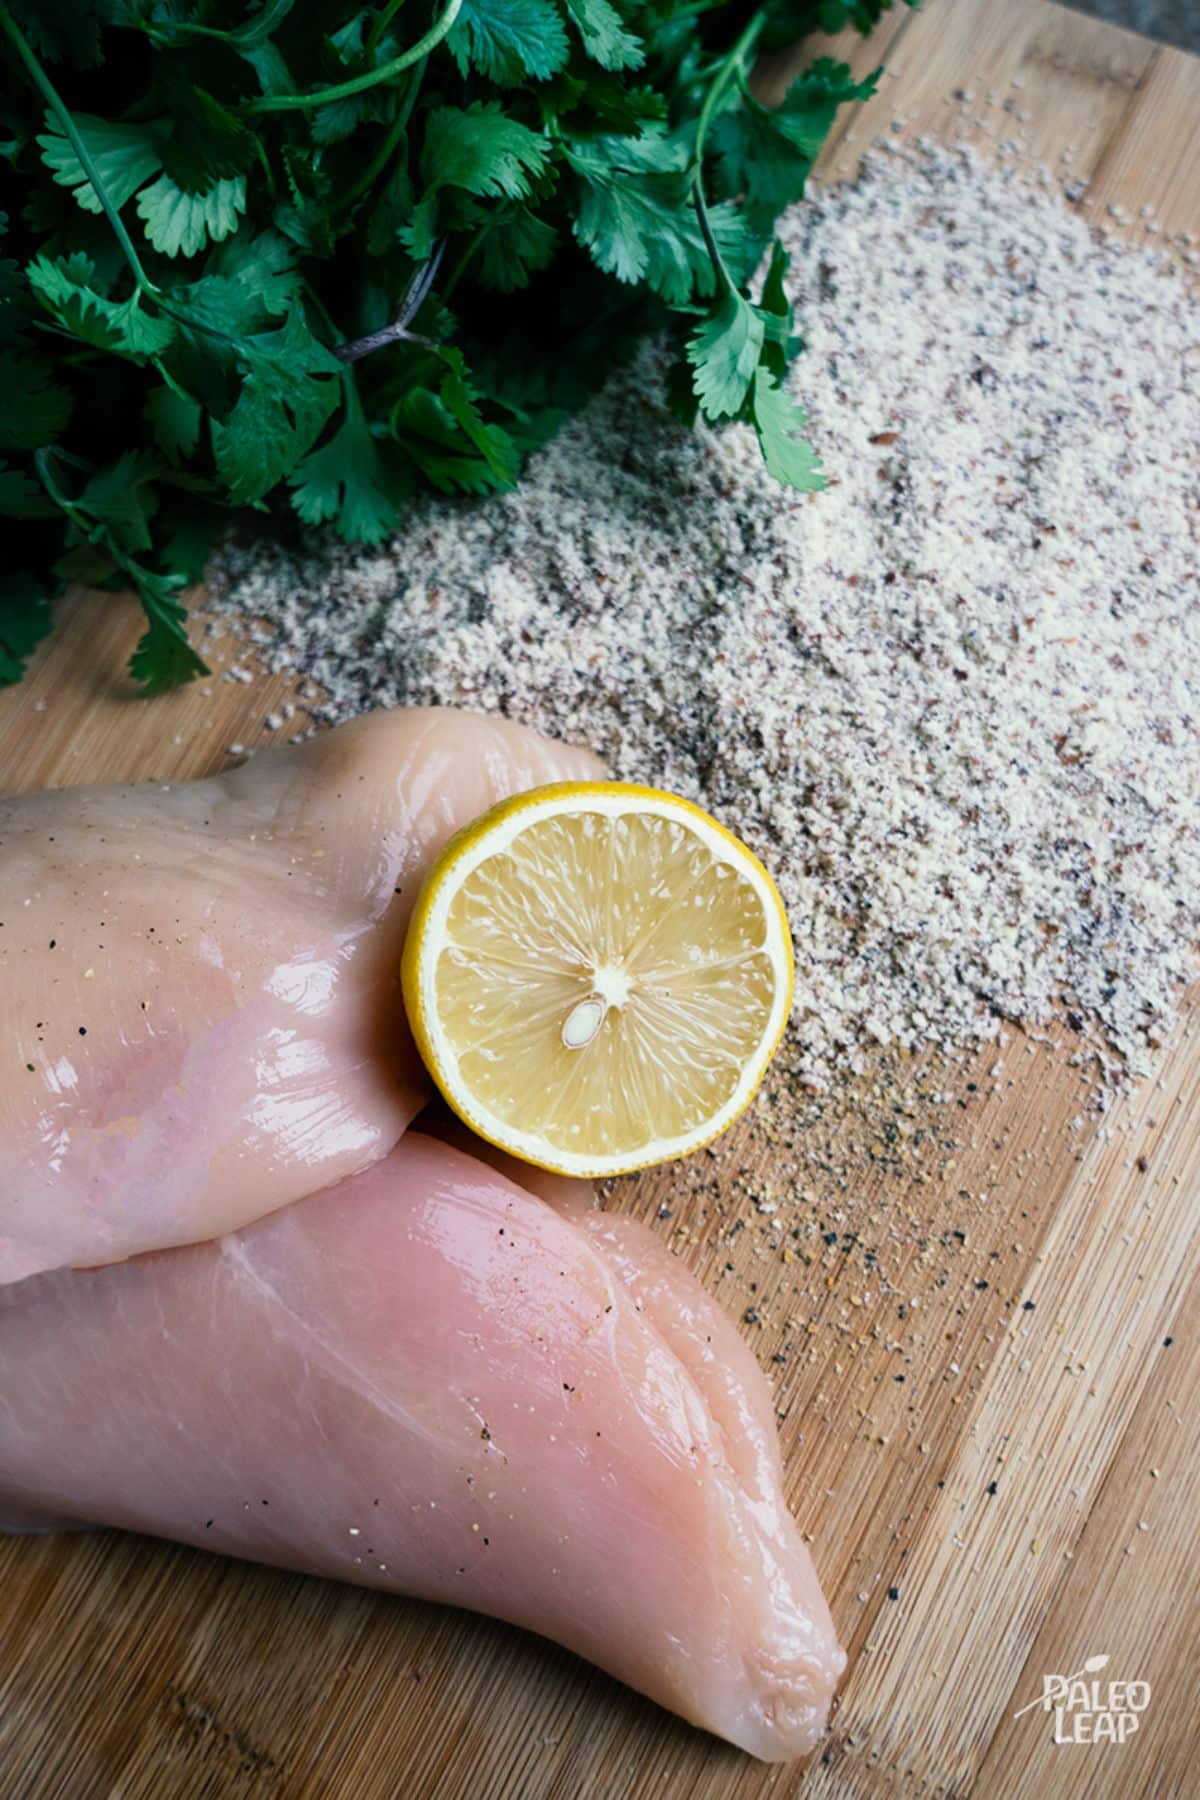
[333,253]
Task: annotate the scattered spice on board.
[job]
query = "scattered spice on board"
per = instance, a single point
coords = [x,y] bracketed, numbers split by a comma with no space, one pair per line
[953,700]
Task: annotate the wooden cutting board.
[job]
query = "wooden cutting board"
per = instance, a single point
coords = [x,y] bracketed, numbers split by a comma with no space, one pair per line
[1028,1273]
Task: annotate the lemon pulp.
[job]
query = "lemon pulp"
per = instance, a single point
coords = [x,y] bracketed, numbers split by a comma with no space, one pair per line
[596,975]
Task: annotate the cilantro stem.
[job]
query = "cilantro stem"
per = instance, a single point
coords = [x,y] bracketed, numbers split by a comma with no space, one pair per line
[732,63]
[265,163]
[96,532]
[381,24]
[353,400]
[706,231]
[41,462]
[463,263]
[318,305]
[49,93]
[460,268]
[93,530]
[350,394]
[383,155]
[192,322]
[397,332]
[345,90]
[246,37]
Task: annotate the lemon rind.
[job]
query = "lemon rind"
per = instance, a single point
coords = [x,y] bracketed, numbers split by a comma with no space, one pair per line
[493,833]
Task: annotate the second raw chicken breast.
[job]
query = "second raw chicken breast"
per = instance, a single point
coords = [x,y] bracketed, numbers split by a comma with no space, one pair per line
[428,1379]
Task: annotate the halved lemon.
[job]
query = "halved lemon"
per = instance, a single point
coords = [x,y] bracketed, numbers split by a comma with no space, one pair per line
[597,975]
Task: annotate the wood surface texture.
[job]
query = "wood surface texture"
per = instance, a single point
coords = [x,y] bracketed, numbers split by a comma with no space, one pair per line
[1013,1299]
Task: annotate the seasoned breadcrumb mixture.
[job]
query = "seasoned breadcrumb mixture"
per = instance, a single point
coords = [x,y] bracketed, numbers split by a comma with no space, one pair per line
[953,700]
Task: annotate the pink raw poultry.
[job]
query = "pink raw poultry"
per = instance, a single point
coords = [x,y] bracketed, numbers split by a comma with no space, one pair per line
[199,997]
[422,1377]
[428,1379]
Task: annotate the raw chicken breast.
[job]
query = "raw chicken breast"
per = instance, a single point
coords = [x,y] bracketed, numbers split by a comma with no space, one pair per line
[199,997]
[428,1379]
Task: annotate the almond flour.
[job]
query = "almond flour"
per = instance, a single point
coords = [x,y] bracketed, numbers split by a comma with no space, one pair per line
[953,700]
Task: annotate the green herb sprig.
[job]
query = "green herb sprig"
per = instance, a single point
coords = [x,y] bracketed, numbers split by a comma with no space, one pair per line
[331,254]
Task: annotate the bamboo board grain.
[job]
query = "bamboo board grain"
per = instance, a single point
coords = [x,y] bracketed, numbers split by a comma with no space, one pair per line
[1012,1298]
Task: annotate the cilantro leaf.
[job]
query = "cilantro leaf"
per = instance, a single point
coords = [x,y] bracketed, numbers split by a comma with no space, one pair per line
[189,530]
[22,498]
[175,420]
[263,267]
[24,621]
[251,283]
[778,343]
[621,215]
[419,233]
[635,215]
[810,105]
[163,657]
[504,39]
[515,244]
[125,327]
[723,352]
[479,149]
[178,223]
[214,192]
[124,156]
[62,29]
[605,35]
[766,156]
[756,159]
[206,142]
[306,219]
[121,499]
[782,429]
[460,399]
[430,436]
[391,210]
[332,123]
[265,20]
[286,396]
[34,408]
[89,564]
[834,15]
[349,482]
[447,436]
[347,42]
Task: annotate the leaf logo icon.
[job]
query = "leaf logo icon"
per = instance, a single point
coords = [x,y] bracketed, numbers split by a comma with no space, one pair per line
[1092,1666]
